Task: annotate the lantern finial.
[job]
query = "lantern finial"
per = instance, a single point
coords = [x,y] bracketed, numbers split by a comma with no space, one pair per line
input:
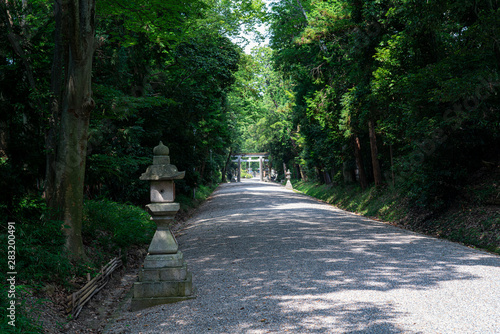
[161,149]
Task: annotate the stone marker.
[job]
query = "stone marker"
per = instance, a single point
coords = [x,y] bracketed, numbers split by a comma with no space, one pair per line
[288,183]
[164,277]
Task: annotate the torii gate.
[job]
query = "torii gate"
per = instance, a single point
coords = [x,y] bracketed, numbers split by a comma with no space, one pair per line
[261,157]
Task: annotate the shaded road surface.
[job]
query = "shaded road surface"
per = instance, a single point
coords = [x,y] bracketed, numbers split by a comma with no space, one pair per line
[268,260]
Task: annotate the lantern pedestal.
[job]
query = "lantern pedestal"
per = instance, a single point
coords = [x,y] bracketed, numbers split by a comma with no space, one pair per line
[164,278]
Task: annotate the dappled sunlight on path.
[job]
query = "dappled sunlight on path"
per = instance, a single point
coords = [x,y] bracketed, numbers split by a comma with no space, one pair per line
[268,260]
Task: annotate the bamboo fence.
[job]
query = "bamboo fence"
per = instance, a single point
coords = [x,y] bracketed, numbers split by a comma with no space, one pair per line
[77,300]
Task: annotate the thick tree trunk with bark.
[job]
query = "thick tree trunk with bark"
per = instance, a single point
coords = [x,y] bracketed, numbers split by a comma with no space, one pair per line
[51,133]
[326,177]
[78,30]
[377,174]
[348,173]
[224,170]
[359,162]
[204,163]
[303,175]
[4,139]
[298,171]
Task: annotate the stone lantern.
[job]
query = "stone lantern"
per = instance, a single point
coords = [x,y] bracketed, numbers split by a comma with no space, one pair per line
[164,277]
[288,183]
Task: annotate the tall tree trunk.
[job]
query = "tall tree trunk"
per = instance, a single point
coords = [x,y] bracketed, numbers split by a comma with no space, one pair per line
[359,162]
[303,175]
[51,133]
[299,172]
[4,138]
[224,170]
[318,175]
[392,166]
[348,172]
[326,176]
[204,163]
[377,174]
[78,29]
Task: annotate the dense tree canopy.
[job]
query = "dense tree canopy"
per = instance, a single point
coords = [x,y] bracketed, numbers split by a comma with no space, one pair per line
[158,70]
[390,92]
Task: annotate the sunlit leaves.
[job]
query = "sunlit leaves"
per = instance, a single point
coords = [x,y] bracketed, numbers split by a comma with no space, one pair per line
[164,22]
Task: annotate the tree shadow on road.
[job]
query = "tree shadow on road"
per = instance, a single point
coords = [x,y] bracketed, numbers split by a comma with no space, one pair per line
[266,260]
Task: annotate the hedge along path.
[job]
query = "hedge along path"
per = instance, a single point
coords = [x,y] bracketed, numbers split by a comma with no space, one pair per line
[268,260]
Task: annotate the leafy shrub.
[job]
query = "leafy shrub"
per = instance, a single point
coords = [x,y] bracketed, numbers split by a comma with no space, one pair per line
[200,194]
[245,175]
[117,176]
[39,242]
[40,257]
[24,320]
[115,226]
[204,191]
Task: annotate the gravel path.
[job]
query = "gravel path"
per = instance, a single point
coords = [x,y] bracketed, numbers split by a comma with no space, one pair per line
[268,260]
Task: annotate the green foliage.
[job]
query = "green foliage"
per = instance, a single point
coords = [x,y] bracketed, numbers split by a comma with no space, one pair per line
[161,72]
[24,320]
[115,165]
[373,202]
[112,226]
[39,242]
[200,194]
[425,74]
[204,191]
[262,102]
[473,226]
[178,97]
[245,175]
[160,21]
[40,257]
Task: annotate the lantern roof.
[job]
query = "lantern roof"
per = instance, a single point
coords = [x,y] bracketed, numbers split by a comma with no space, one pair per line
[161,169]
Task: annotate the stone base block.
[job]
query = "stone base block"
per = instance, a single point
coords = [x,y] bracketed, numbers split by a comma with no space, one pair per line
[155,261]
[161,289]
[164,274]
[164,279]
[150,289]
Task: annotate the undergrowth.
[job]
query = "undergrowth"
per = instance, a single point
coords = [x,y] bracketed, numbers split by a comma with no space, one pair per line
[39,257]
[201,193]
[108,229]
[373,202]
[470,222]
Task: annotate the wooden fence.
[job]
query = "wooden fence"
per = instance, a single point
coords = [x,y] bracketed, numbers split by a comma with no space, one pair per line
[78,299]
